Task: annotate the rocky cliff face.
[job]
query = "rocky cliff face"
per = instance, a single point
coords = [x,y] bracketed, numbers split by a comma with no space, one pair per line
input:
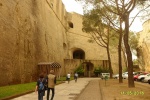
[30,32]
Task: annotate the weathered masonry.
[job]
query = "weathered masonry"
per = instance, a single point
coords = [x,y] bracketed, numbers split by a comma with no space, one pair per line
[144,47]
[34,31]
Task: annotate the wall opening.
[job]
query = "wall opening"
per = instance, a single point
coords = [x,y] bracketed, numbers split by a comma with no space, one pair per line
[70,24]
[79,54]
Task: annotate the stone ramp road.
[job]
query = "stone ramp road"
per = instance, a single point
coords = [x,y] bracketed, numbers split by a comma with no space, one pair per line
[67,91]
[91,92]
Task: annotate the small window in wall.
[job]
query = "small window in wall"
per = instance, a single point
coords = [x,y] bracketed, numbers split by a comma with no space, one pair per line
[70,24]
[78,54]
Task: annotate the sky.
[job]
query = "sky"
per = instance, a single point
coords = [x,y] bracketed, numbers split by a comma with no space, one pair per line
[73,6]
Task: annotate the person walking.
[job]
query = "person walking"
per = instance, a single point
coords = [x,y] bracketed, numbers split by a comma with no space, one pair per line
[51,79]
[45,77]
[76,76]
[68,77]
[40,86]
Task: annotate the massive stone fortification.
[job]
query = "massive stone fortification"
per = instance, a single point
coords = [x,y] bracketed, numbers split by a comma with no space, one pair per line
[144,47]
[31,31]
[94,55]
[35,31]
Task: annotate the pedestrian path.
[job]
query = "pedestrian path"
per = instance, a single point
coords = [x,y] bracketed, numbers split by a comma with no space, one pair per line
[91,92]
[65,91]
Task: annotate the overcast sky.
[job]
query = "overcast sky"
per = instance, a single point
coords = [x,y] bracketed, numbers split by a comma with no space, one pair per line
[72,6]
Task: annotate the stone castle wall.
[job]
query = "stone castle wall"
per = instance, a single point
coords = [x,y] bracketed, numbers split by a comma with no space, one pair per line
[31,31]
[79,39]
[72,64]
[144,47]
[34,31]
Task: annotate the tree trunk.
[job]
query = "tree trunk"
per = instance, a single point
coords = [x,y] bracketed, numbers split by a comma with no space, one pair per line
[119,53]
[109,62]
[128,52]
[124,57]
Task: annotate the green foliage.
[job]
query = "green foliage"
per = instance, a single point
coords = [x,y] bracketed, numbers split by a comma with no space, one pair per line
[100,28]
[135,62]
[12,90]
[79,70]
[125,69]
[97,71]
[133,40]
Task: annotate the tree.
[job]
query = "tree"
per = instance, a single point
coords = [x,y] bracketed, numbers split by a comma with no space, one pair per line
[101,31]
[133,42]
[119,52]
[113,23]
[123,8]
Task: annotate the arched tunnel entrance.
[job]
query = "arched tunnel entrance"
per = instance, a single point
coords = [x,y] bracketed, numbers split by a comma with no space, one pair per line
[78,54]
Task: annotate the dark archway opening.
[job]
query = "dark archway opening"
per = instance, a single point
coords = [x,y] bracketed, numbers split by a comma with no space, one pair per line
[78,54]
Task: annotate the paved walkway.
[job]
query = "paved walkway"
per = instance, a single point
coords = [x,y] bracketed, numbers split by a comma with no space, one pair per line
[69,91]
[91,92]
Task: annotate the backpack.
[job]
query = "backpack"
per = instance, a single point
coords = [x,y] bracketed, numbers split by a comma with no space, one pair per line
[41,85]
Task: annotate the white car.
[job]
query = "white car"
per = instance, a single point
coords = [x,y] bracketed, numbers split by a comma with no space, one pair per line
[124,75]
[116,76]
[105,75]
[141,77]
[147,78]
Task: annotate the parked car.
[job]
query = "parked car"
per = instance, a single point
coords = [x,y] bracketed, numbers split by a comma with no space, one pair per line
[116,76]
[125,75]
[104,75]
[135,77]
[141,77]
[147,78]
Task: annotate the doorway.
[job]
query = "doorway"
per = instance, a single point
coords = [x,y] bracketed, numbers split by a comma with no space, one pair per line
[88,67]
